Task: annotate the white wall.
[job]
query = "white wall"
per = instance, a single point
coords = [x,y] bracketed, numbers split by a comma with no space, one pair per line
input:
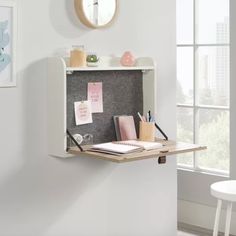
[41,195]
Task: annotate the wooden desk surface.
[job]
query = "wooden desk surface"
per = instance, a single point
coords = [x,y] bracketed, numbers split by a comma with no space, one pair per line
[169,148]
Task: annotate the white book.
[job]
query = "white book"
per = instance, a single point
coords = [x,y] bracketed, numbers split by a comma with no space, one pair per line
[115,148]
[143,144]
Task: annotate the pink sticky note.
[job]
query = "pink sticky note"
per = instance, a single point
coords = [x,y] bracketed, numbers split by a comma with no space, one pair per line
[95,96]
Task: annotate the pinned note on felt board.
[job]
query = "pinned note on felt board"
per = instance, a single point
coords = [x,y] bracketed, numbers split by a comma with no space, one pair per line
[95,96]
[83,114]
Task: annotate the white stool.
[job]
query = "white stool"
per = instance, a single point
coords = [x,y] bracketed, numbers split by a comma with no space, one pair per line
[224,190]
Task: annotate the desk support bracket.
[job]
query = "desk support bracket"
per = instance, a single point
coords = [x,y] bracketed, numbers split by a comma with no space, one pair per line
[74,141]
[161,131]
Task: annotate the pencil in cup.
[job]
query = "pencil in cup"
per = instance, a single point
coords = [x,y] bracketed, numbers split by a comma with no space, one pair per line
[146,131]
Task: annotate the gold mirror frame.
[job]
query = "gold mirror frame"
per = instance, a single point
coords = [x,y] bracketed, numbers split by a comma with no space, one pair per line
[79,8]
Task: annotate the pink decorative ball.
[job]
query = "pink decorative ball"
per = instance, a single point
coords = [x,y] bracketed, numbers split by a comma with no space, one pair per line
[127,59]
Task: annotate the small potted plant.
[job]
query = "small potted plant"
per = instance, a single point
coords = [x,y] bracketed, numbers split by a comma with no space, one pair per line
[92,59]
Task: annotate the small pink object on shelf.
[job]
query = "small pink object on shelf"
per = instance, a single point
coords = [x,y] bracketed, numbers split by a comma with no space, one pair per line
[127,59]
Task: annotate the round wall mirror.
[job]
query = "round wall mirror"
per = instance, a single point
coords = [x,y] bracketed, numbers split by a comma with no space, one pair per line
[96,13]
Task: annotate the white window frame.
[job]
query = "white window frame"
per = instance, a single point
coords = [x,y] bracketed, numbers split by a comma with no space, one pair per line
[195,107]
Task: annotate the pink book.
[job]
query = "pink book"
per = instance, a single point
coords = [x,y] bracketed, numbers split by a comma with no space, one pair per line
[127,128]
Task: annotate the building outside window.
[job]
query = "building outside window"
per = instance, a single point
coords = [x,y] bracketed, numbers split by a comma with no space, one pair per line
[203,82]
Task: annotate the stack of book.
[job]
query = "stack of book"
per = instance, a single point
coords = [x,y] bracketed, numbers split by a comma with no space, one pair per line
[125,147]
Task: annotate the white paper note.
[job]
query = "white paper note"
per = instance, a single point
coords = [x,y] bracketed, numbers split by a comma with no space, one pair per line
[83,114]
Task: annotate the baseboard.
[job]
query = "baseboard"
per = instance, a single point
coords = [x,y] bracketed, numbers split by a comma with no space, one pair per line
[200,218]
[196,230]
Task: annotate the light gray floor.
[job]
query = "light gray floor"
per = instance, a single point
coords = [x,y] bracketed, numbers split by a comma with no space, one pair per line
[181,233]
[186,230]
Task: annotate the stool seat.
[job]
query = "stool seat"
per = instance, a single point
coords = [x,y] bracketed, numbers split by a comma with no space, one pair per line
[224,190]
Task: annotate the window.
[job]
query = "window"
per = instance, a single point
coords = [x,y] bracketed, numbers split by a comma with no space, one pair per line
[203,82]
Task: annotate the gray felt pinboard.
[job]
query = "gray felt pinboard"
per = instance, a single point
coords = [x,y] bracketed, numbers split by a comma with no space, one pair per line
[122,95]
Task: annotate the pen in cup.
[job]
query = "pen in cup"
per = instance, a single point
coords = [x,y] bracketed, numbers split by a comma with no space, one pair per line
[140,117]
[146,128]
[149,116]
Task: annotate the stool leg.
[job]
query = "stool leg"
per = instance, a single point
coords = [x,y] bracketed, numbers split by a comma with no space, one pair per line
[228,218]
[217,218]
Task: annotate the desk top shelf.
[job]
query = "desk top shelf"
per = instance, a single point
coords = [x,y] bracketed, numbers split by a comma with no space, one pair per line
[102,68]
[113,63]
[169,148]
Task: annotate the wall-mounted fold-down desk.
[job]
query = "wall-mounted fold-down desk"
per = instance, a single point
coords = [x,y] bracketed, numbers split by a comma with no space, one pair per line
[126,90]
[169,148]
